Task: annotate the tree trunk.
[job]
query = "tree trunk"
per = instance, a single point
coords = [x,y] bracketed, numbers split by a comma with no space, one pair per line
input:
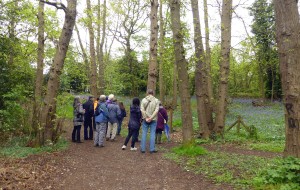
[200,74]
[93,81]
[39,70]
[187,123]
[12,34]
[175,95]
[287,36]
[208,72]
[224,65]
[162,89]
[85,57]
[49,109]
[100,52]
[152,71]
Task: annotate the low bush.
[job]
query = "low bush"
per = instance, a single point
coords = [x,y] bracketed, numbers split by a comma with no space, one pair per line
[285,174]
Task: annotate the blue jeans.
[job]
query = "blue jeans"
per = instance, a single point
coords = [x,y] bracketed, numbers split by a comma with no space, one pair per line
[145,127]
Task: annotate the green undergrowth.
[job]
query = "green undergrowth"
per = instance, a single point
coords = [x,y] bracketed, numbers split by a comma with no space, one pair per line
[17,148]
[189,150]
[284,174]
[235,169]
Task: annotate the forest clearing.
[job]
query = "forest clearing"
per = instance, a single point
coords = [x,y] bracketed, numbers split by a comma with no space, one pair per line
[149,94]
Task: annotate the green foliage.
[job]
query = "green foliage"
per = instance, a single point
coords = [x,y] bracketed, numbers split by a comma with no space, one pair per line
[284,174]
[189,150]
[277,146]
[74,77]
[131,75]
[17,148]
[235,169]
[65,106]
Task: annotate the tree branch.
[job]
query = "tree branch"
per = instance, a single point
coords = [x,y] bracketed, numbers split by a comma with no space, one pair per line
[55,4]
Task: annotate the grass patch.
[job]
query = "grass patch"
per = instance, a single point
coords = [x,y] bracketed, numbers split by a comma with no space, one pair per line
[189,150]
[268,146]
[237,170]
[17,148]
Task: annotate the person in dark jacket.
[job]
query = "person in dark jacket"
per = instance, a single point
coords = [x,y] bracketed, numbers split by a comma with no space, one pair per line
[101,114]
[78,119]
[88,106]
[134,124]
[121,118]
[114,113]
[162,118]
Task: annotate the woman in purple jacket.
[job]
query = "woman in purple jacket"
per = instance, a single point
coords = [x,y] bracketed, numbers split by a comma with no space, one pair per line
[134,124]
[162,118]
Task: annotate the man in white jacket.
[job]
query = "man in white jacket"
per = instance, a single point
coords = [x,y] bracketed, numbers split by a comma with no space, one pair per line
[149,109]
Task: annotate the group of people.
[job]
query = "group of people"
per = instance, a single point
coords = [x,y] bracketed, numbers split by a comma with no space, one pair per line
[105,117]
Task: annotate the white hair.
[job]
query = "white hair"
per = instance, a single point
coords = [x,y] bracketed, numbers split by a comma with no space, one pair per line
[111,97]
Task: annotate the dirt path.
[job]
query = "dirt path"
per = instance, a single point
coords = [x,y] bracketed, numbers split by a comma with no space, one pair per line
[112,168]
[84,166]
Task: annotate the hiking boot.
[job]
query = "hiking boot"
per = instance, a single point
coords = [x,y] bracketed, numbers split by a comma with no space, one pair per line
[133,149]
[107,138]
[123,147]
[154,151]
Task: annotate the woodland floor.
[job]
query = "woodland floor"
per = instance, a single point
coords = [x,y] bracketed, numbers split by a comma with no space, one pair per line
[83,166]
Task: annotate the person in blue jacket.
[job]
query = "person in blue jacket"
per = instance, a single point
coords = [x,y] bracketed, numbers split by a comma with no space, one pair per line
[101,119]
[134,124]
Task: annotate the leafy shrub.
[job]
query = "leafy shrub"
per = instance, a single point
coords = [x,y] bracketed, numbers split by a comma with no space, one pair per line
[189,150]
[14,116]
[284,175]
[65,105]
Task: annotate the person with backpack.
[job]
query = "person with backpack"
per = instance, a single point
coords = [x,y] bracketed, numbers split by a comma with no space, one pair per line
[149,109]
[88,106]
[114,113]
[134,124]
[78,119]
[101,115]
[162,119]
[121,118]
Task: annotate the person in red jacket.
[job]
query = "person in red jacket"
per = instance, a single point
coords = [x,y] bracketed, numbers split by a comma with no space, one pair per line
[162,118]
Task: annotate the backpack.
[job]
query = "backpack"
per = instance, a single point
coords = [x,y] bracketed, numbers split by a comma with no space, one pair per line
[99,110]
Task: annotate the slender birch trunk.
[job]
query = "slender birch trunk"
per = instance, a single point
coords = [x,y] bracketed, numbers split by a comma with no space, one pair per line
[200,74]
[152,71]
[93,81]
[186,113]
[224,65]
[162,89]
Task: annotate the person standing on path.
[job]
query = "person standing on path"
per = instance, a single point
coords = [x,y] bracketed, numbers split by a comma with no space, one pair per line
[134,124]
[149,109]
[78,119]
[88,118]
[114,113]
[101,114]
[121,118]
[162,119]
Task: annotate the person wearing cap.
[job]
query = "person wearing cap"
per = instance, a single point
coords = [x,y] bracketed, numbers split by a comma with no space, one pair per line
[114,112]
[101,115]
[149,109]
[88,106]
